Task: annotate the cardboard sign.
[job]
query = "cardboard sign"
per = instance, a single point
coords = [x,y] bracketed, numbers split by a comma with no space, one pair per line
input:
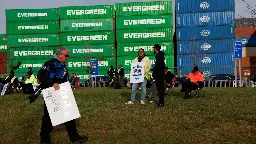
[61,104]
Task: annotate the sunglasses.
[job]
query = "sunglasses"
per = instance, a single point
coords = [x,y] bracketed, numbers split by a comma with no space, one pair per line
[65,55]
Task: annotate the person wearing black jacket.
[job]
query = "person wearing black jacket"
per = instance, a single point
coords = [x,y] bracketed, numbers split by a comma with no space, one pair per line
[120,72]
[53,73]
[159,74]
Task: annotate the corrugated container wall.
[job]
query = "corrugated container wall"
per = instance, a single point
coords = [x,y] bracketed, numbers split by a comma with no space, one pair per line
[33,40]
[81,64]
[143,22]
[127,60]
[208,71]
[245,32]
[91,50]
[247,41]
[144,8]
[87,12]
[20,15]
[3,43]
[205,19]
[249,51]
[79,25]
[206,60]
[3,62]
[41,27]
[210,32]
[199,6]
[32,53]
[143,35]
[248,62]
[131,49]
[205,46]
[81,38]
[34,64]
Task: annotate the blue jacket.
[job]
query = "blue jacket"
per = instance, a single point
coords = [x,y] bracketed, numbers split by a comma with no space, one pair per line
[53,71]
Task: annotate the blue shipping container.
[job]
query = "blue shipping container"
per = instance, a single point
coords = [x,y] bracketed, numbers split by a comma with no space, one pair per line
[191,6]
[209,70]
[205,19]
[247,41]
[205,46]
[206,60]
[206,33]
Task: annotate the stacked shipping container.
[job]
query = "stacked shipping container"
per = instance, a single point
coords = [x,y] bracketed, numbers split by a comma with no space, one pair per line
[205,34]
[32,37]
[3,54]
[88,32]
[247,35]
[141,25]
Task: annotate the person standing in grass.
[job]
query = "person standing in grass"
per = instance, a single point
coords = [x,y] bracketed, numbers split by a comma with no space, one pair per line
[159,73]
[145,60]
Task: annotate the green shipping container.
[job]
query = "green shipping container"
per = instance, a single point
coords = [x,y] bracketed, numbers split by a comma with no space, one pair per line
[131,49]
[32,15]
[91,50]
[3,43]
[87,38]
[84,75]
[42,27]
[32,53]
[3,39]
[85,12]
[126,61]
[142,22]
[33,40]
[35,64]
[144,35]
[79,25]
[81,64]
[144,8]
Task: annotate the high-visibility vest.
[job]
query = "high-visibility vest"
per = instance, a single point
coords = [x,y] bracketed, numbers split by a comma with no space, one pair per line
[31,80]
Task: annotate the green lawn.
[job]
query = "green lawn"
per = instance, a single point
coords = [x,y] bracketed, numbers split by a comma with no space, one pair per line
[225,115]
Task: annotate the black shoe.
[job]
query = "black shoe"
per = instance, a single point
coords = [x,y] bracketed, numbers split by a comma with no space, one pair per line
[80,139]
[47,141]
[187,95]
[160,105]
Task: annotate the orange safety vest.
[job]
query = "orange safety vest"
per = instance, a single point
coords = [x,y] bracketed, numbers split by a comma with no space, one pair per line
[196,77]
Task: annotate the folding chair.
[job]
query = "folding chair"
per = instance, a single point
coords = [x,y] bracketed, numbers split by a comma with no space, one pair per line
[198,92]
[169,86]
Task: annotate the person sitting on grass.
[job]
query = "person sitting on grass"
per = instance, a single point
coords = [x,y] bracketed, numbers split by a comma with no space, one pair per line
[193,81]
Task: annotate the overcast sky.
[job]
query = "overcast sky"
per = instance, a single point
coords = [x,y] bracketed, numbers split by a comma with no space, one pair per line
[241,8]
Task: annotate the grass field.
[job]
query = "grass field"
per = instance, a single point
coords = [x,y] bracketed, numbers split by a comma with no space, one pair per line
[225,115]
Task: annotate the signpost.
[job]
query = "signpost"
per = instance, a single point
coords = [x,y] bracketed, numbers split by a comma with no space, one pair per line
[94,66]
[238,49]
[94,70]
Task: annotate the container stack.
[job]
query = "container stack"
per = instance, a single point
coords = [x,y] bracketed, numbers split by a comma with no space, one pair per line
[88,33]
[246,33]
[3,54]
[205,34]
[142,25]
[32,37]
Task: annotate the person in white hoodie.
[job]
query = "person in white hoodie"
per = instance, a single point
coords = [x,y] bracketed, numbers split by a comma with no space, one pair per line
[147,66]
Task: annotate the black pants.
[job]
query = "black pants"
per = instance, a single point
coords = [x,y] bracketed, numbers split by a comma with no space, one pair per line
[47,127]
[161,90]
[27,88]
[188,86]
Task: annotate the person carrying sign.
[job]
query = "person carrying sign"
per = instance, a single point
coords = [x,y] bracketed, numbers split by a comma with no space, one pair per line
[146,62]
[53,73]
[159,73]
